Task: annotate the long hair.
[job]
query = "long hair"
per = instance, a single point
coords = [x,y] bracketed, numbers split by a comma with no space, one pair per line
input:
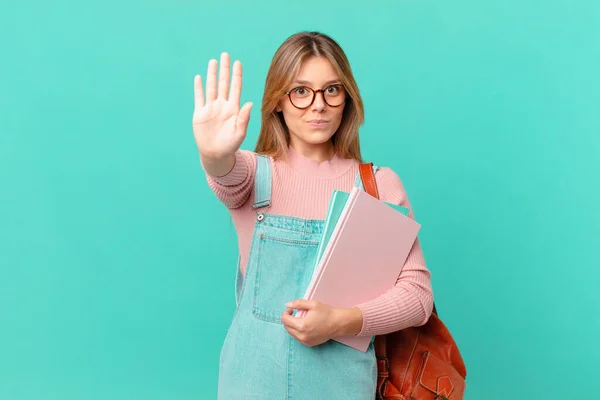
[273,139]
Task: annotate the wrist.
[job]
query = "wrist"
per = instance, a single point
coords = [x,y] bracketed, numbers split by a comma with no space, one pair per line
[218,166]
[347,321]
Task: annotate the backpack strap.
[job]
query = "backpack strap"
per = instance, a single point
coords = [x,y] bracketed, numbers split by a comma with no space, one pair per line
[262,182]
[358,183]
[367,173]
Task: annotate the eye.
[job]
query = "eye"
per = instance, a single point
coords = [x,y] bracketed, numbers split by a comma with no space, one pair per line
[333,89]
[301,91]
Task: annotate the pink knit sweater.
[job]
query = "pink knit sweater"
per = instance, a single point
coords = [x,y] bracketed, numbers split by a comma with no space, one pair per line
[302,188]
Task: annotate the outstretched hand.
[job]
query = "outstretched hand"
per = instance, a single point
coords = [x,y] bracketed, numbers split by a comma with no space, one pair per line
[218,122]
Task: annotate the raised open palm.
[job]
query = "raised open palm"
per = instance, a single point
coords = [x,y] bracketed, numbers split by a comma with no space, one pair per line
[218,122]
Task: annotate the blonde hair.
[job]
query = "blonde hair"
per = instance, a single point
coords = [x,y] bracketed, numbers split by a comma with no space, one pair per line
[273,139]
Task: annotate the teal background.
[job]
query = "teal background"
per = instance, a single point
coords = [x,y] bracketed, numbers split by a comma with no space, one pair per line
[117,262]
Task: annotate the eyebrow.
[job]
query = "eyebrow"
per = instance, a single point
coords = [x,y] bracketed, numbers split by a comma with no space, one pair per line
[326,83]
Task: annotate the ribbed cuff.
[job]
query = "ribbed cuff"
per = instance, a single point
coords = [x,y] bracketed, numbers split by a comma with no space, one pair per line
[379,314]
[238,173]
[392,311]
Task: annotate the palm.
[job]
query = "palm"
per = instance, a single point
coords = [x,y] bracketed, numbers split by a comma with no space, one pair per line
[218,122]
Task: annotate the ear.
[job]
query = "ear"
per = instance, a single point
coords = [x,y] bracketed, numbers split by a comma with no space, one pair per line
[278,108]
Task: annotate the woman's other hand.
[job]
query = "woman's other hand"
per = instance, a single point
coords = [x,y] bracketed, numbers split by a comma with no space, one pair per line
[321,322]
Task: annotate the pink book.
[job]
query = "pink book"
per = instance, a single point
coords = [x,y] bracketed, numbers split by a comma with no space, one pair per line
[363,258]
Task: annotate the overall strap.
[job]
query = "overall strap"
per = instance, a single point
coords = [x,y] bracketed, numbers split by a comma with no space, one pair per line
[262,182]
[239,280]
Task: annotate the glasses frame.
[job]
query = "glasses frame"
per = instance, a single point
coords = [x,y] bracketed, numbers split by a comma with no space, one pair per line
[314,96]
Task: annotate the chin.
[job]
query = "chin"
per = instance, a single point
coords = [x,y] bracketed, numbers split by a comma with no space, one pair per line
[317,137]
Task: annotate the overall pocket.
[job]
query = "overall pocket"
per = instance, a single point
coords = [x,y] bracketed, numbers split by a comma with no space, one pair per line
[283,271]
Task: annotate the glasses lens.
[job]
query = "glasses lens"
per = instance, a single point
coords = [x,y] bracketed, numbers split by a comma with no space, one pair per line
[334,95]
[301,97]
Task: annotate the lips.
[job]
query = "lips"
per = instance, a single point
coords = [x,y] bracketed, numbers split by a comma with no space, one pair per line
[317,122]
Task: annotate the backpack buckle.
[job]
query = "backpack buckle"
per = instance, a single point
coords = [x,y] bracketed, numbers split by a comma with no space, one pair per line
[384,370]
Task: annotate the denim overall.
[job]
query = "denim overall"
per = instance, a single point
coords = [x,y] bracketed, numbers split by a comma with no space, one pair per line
[259,359]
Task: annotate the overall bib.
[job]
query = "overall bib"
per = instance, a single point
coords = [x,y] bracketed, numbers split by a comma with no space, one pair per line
[259,359]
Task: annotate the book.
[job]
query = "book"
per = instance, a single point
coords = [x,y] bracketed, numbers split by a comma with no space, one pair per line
[336,205]
[364,249]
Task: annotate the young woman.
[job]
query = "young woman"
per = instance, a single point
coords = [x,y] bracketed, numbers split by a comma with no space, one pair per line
[278,197]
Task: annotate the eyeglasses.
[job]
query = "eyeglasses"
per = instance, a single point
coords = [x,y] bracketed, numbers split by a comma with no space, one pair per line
[302,96]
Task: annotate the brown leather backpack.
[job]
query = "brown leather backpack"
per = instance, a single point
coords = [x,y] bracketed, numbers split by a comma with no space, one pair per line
[418,363]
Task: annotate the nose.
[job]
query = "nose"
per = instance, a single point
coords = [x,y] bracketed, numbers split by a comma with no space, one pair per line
[319,103]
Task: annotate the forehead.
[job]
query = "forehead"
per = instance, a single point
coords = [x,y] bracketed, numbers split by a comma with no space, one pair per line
[316,71]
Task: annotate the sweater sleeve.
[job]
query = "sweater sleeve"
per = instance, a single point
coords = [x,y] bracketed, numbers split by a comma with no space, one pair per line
[234,188]
[410,302]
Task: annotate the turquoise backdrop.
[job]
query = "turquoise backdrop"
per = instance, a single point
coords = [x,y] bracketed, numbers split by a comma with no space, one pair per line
[117,262]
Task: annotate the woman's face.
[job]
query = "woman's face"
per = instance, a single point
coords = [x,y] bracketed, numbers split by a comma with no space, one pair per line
[314,125]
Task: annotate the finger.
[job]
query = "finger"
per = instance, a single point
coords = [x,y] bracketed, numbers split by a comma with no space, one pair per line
[198,94]
[211,81]
[302,304]
[290,321]
[236,84]
[295,333]
[224,76]
[244,119]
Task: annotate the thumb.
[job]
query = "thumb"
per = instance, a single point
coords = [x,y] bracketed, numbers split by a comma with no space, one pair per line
[301,304]
[243,119]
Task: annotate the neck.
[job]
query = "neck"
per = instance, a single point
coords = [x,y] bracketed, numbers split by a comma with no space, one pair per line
[331,166]
[316,152]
